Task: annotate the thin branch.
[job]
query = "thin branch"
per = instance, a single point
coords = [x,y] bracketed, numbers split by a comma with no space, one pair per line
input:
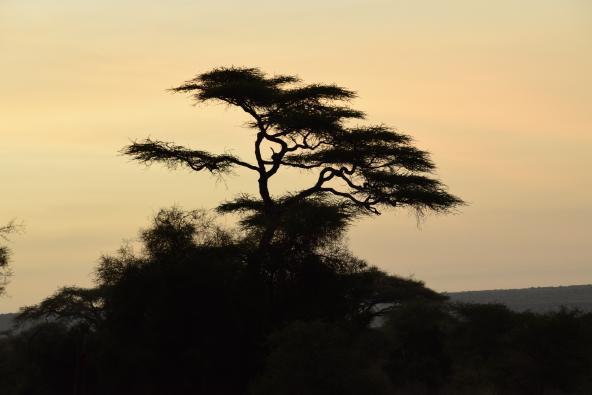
[348,181]
[157,151]
[349,196]
[325,175]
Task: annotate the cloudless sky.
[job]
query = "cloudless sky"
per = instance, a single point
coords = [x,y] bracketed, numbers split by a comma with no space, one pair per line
[499,92]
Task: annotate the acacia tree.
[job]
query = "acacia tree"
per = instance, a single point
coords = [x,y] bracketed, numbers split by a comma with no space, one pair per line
[359,169]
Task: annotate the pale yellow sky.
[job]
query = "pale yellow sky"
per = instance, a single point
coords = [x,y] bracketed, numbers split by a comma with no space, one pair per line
[500,93]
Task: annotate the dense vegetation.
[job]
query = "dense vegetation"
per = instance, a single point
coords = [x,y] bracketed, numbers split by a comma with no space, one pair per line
[185,315]
[279,305]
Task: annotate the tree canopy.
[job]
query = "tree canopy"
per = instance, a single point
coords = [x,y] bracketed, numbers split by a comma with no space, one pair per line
[360,169]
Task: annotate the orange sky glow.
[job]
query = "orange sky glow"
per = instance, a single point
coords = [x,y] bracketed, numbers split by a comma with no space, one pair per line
[499,92]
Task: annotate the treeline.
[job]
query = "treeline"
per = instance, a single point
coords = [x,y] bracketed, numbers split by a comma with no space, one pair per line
[279,305]
[185,315]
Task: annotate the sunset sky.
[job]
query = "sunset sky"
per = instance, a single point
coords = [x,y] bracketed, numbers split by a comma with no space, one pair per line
[500,92]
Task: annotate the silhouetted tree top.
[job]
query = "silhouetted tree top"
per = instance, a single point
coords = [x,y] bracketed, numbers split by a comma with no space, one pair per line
[359,169]
[68,304]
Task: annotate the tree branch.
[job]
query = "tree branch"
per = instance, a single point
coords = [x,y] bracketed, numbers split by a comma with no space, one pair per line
[325,175]
[157,151]
[368,206]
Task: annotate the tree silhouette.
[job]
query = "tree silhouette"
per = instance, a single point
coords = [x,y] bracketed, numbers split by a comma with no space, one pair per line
[5,272]
[359,169]
[184,302]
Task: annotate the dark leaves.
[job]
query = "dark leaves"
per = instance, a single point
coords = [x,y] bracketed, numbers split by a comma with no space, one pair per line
[150,151]
[305,126]
[69,304]
[238,86]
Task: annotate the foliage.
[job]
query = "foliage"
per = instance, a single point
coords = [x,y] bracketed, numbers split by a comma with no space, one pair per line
[186,305]
[68,304]
[5,253]
[435,348]
[280,305]
[182,314]
[359,169]
[322,358]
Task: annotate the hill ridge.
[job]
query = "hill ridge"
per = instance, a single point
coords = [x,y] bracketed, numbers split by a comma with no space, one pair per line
[536,299]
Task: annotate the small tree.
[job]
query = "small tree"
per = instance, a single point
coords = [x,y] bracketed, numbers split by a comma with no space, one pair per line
[5,254]
[359,169]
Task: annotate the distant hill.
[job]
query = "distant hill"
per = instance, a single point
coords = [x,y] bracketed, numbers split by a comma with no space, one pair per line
[539,300]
